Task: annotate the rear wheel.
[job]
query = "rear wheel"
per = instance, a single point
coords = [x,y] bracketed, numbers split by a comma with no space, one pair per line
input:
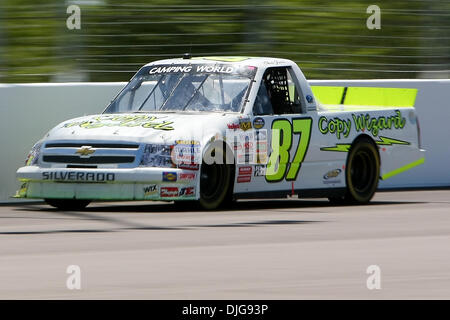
[68,204]
[216,182]
[361,174]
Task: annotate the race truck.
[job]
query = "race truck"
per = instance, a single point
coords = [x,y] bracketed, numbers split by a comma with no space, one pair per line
[216,129]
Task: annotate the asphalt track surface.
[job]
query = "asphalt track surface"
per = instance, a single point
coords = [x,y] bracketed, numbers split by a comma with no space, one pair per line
[271,249]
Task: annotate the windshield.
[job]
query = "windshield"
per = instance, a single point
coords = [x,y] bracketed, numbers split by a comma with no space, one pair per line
[196,87]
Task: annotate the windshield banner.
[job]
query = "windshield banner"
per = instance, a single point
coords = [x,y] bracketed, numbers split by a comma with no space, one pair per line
[202,68]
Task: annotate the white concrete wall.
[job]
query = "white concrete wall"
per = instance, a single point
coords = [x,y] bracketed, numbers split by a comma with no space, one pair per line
[28,111]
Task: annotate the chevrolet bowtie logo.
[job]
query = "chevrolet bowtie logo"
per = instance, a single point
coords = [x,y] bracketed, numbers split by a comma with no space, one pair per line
[85,151]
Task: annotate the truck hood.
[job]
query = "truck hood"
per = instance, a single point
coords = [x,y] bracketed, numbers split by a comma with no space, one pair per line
[144,127]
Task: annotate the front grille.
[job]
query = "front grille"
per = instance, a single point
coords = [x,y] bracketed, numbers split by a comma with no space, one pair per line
[91,160]
[91,153]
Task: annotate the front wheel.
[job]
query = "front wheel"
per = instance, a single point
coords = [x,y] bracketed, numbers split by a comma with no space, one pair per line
[216,183]
[68,204]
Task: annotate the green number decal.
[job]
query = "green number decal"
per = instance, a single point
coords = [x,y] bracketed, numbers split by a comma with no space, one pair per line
[281,144]
[282,131]
[303,127]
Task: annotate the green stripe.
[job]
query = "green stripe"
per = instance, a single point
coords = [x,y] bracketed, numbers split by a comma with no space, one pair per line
[328,95]
[366,96]
[403,169]
[383,97]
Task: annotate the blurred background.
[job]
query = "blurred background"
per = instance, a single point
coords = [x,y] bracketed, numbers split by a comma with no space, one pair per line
[328,39]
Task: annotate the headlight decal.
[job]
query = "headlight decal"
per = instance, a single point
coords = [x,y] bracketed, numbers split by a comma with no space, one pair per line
[33,155]
[157,155]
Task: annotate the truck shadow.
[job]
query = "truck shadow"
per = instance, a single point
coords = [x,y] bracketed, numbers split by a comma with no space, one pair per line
[98,212]
[244,205]
[188,206]
[113,223]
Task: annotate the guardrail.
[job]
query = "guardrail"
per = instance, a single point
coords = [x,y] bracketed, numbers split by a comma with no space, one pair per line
[28,111]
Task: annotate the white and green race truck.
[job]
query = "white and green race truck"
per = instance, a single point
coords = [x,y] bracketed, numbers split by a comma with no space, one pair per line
[214,129]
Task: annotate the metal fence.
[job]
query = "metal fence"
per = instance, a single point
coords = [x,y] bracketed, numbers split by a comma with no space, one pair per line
[329,40]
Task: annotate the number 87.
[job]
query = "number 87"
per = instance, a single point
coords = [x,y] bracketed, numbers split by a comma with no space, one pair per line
[282,136]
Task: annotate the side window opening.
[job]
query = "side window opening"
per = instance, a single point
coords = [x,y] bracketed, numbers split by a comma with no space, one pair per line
[263,105]
[282,91]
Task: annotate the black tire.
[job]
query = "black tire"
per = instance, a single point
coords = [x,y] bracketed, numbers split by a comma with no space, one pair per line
[362,172]
[68,204]
[216,182]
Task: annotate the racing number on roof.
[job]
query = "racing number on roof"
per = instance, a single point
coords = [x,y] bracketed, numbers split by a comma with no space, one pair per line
[282,136]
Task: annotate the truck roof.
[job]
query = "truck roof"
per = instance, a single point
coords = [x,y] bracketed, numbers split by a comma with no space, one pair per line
[255,61]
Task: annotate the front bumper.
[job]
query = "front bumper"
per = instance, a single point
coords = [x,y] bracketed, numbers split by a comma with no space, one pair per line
[108,184]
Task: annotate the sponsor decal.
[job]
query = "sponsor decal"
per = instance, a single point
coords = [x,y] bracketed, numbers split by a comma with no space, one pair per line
[260,171]
[332,174]
[362,122]
[258,123]
[233,126]
[78,176]
[245,170]
[243,179]
[374,124]
[245,158]
[168,192]
[187,192]
[261,147]
[189,166]
[210,68]
[187,176]
[171,69]
[186,151]
[309,98]
[245,174]
[150,190]
[215,68]
[144,121]
[169,176]
[248,145]
[247,135]
[188,142]
[336,126]
[245,124]
[262,158]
